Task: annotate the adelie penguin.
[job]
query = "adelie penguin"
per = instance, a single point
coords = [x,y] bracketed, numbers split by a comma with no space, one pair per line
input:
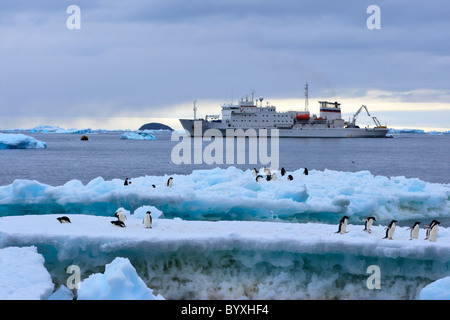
[120,216]
[368,224]
[390,230]
[126,182]
[147,220]
[343,225]
[432,231]
[170,182]
[64,219]
[283,172]
[118,223]
[258,177]
[414,234]
[255,172]
[290,177]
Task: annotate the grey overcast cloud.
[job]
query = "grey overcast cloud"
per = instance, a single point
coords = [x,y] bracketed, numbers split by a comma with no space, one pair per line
[133,62]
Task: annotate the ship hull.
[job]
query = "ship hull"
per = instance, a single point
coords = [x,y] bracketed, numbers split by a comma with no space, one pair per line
[294,132]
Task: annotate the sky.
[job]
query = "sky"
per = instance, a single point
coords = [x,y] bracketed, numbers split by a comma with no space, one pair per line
[134,62]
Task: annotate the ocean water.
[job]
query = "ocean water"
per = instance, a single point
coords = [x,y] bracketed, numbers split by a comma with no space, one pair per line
[105,155]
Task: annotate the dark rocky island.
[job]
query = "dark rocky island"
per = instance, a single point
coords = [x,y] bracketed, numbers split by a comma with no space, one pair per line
[155,126]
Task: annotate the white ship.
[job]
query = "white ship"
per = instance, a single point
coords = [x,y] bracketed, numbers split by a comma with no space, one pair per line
[247,114]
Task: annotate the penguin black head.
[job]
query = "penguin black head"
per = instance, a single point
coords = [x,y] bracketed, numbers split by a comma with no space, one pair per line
[118,223]
[64,219]
[148,212]
[371,218]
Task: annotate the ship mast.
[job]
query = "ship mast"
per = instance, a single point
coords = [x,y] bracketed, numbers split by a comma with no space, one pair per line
[195,110]
[306,97]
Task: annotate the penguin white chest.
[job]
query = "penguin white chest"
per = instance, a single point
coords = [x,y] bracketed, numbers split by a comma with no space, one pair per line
[148,221]
[433,234]
[390,232]
[415,232]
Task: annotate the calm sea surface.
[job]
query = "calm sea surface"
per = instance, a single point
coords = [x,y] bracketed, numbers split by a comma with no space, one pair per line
[421,156]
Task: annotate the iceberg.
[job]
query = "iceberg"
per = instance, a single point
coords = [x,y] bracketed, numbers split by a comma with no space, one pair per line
[139,135]
[119,282]
[233,194]
[23,275]
[56,129]
[183,259]
[20,141]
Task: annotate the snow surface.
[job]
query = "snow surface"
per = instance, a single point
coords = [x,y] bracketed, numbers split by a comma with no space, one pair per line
[438,290]
[119,282]
[183,259]
[20,141]
[233,194]
[23,275]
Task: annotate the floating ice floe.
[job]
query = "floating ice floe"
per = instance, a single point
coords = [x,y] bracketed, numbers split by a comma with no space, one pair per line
[23,275]
[20,141]
[233,194]
[139,135]
[182,259]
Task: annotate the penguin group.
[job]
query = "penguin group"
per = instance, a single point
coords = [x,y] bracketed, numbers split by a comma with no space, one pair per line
[269,175]
[431,229]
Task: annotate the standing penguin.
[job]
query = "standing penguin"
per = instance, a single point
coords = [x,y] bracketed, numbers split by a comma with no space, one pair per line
[126,182]
[305,172]
[120,216]
[170,182]
[267,171]
[429,227]
[390,230]
[255,172]
[432,234]
[283,172]
[343,225]
[414,234]
[274,176]
[368,224]
[148,220]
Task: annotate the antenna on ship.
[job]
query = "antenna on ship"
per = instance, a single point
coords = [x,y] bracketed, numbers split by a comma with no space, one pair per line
[195,110]
[306,97]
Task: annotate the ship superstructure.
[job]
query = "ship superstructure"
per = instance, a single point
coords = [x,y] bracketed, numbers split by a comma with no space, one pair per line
[252,114]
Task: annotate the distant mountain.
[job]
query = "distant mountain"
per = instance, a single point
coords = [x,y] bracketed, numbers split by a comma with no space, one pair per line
[155,126]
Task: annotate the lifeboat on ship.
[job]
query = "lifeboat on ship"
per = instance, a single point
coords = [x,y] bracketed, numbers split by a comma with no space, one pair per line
[304,117]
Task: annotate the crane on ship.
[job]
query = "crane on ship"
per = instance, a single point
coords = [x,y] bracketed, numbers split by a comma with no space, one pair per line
[352,124]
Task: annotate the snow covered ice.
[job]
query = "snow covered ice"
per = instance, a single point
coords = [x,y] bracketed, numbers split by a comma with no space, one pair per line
[219,234]
[23,275]
[181,259]
[233,194]
[20,141]
[119,282]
